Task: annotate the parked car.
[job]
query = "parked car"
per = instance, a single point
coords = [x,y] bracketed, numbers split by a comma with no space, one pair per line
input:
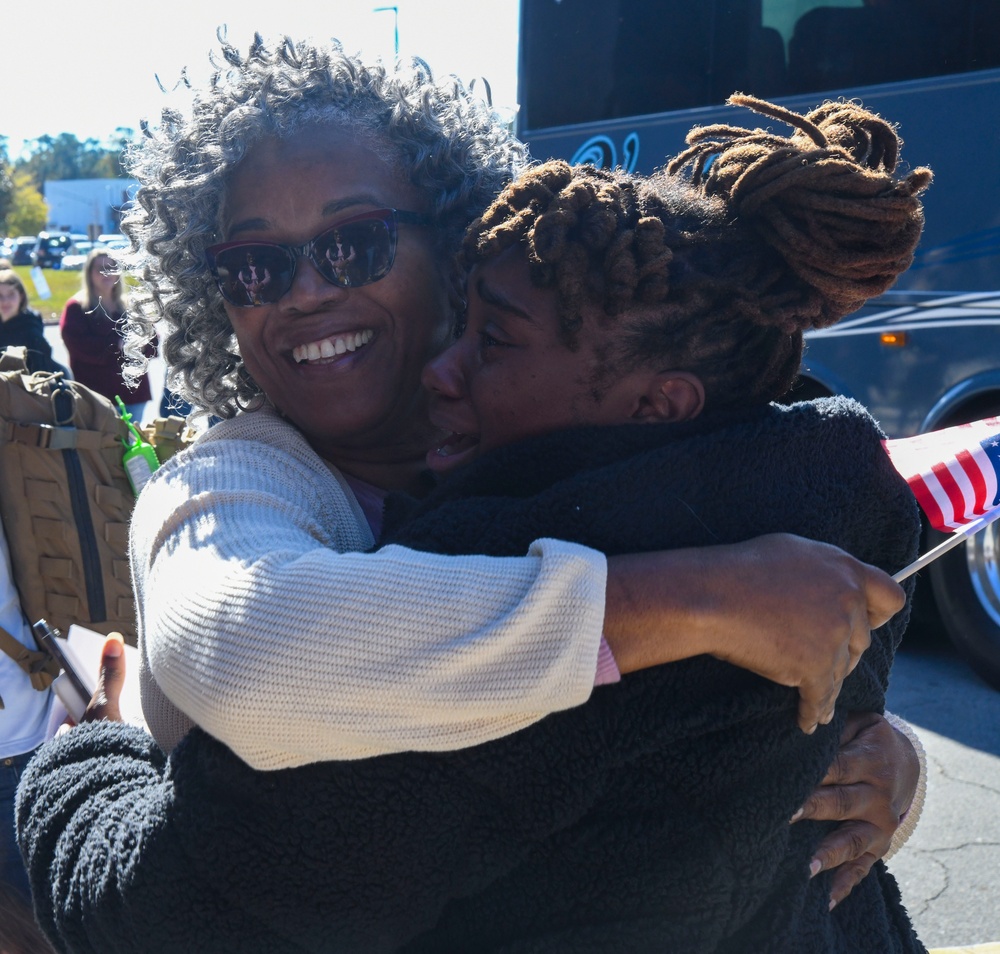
[19,249]
[75,256]
[112,241]
[51,246]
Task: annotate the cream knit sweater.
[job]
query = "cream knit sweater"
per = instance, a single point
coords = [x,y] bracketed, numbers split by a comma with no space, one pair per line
[261,621]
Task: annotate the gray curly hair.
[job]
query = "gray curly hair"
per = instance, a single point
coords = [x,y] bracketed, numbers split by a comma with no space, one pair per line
[449,144]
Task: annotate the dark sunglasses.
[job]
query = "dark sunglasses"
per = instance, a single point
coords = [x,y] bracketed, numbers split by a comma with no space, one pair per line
[355,251]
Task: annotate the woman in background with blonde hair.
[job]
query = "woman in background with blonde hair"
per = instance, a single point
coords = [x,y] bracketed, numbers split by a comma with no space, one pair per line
[92,327]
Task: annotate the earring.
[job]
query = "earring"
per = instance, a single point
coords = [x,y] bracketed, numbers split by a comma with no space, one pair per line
[254,404]
[257,399]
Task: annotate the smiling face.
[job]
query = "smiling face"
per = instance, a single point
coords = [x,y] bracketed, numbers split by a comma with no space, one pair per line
[10,300]
[103,277]
[342,363]
[512,375]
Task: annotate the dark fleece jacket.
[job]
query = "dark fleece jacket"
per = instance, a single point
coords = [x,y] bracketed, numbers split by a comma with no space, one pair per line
[27,330]
[655,817]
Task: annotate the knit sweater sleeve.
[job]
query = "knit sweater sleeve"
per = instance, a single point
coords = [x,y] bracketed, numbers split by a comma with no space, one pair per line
[908,822]
[262,623]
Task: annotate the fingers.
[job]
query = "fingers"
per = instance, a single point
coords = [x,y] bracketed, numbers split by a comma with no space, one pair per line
[883,599]
[104,704]
[885,596]
[849,851]
[856,726]
[842,802]
[843,880]
[861,757]
[816,704]
[113,664]
[861,790]
[860,640]
[809,715]
[841,594]
[873,775]
[818,695]
[848,843]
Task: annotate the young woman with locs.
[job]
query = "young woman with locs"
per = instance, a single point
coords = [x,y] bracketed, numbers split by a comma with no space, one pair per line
[670,312]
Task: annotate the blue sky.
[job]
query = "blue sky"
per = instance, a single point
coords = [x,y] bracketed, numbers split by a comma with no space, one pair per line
[94,66]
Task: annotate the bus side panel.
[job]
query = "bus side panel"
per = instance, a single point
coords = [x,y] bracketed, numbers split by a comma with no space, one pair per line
[947,123]
[900,354]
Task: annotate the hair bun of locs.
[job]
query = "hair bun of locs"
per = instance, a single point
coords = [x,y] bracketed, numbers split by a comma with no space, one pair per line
[825,198]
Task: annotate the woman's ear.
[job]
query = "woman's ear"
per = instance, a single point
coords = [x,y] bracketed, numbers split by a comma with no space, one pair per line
[670,396]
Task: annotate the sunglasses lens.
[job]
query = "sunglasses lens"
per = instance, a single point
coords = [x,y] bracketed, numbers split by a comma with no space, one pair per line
[356,253]
[253,274]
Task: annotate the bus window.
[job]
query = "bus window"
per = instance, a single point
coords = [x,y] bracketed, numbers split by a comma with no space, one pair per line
[592,60]
[835,45]
[677,55]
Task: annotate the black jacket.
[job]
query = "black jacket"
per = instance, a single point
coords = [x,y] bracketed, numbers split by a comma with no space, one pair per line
[26,330]
[692,769]
[653,818]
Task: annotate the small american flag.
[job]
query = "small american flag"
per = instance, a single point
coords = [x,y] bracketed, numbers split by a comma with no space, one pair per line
[954,473]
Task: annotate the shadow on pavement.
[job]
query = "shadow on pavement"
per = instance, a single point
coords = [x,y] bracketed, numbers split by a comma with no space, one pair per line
[933,687]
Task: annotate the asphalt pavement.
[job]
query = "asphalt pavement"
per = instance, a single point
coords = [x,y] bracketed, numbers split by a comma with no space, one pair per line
[949,871]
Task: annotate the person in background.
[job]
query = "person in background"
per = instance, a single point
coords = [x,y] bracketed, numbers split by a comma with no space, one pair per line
[26,711]
[92,330]
[24,719]
[19,934]
[340,255]
[22,326]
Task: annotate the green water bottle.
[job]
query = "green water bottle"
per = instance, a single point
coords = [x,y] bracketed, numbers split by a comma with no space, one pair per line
[140,458]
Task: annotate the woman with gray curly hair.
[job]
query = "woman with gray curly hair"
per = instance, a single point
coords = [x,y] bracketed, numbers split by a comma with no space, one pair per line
[262,619]
[298,145]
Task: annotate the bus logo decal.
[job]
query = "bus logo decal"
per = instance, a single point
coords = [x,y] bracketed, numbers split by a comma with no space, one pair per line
[600,151]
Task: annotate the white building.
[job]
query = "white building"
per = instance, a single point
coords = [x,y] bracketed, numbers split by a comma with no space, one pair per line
[87,205]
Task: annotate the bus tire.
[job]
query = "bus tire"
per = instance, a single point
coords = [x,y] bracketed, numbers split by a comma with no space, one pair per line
[966,586]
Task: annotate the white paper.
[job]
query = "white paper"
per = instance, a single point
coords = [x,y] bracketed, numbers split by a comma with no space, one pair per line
[57,716]
[41,285]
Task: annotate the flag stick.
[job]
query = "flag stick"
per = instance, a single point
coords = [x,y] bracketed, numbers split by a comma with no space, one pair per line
[953,541]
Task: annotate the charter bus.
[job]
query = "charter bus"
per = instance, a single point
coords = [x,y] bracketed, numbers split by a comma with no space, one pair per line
[620,82]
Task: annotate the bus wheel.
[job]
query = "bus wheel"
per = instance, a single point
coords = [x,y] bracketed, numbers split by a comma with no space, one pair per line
[966,585]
